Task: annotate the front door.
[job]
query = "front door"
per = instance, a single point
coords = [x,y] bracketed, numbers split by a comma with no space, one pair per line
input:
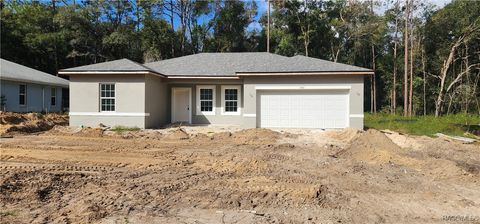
[181,100]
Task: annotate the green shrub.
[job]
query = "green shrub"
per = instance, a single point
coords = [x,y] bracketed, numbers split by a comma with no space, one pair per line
[121,129]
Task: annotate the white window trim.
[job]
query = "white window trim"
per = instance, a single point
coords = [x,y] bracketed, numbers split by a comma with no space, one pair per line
[52,96]
[239,100]
[100,97]
[199,112]
[25,95]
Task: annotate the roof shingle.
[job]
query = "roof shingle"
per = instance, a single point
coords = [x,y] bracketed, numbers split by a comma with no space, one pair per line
[224,64]
[16,72]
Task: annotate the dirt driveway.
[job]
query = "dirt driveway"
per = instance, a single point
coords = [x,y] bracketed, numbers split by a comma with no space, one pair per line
[247,176]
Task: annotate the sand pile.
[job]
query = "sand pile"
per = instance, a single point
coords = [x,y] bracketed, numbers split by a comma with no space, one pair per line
[345,135]
[176,134]
[256,136]
[375,148]
[30,122]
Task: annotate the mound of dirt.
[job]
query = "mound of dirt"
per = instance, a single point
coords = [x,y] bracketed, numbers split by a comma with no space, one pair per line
[256,136]
[376,148]
[176,134]
[29,122]
[76,131]
[346,135]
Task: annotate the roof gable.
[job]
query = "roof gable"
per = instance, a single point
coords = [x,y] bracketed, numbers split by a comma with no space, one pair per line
[16,72]
[120,65]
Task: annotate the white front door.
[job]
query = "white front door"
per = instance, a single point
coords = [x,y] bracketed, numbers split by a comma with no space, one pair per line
[303,108]
[181,101]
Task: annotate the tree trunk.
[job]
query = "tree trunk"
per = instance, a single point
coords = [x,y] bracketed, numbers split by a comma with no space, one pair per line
[443,76]
[405,77]
[394,86]
[268,26]
[172,20]
[374,92]
[412,49]
[424,85]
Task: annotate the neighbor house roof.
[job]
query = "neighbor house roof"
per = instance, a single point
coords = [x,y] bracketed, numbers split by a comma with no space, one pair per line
[223,64]
[16,72]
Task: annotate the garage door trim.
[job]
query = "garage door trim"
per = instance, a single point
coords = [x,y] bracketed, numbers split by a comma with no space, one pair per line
[274,88]
[296,87]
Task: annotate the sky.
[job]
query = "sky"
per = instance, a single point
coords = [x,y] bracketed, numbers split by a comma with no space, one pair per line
[262,8]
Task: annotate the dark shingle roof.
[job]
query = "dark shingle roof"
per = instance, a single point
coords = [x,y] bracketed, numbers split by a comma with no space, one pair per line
[122,65]
[16,72]
[224,64]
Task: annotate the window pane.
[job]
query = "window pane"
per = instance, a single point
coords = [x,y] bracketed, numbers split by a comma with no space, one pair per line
[54,92]
[231,94]
[22,100]
[53,101]
[206,106]
[206,94]
[231,106]
[22,89]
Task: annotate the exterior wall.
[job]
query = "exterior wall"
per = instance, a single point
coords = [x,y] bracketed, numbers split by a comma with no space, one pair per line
[145,100]
[156,102]
[38,97]
[218,118]
[355,82]
[129,100]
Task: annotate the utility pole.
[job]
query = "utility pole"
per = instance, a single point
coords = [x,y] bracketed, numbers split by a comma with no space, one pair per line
[268,26]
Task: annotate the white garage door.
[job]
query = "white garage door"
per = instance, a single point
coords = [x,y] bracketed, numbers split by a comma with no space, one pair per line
[303,108]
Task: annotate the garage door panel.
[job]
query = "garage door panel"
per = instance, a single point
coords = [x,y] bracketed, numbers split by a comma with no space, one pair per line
[303,109]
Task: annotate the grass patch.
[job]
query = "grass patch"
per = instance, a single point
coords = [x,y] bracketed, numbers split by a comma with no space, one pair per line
[121,129]
[455,124]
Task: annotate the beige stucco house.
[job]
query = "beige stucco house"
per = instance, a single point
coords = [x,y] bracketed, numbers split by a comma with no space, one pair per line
[241,89]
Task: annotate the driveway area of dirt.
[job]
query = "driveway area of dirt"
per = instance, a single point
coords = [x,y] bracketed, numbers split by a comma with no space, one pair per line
[202,175]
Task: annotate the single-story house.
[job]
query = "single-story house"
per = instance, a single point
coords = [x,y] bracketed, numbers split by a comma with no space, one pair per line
[24,89]
[242,89]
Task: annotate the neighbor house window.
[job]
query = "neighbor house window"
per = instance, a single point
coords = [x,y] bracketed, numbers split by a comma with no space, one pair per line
[22,94]
[107,97]
[205,100]
[231,100]
[53,96]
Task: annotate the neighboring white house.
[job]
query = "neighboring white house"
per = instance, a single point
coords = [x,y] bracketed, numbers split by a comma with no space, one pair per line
[242,89]
[24,89]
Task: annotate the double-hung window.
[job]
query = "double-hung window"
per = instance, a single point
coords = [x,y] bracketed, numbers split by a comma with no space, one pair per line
[22,94]
[107,97]
[231,100]
[53,96]
[205,100]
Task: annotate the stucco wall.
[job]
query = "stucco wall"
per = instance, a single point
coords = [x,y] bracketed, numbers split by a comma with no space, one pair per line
[218,118]
[35,93]
[129,102]
[156,102]
[355,82]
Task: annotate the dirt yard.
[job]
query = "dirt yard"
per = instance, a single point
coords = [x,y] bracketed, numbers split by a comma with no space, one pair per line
[208,175]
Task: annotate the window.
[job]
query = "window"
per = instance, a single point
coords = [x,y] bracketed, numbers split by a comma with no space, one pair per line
[53,97]
[205,100]
[231,96]
[107,97]
[22,94]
